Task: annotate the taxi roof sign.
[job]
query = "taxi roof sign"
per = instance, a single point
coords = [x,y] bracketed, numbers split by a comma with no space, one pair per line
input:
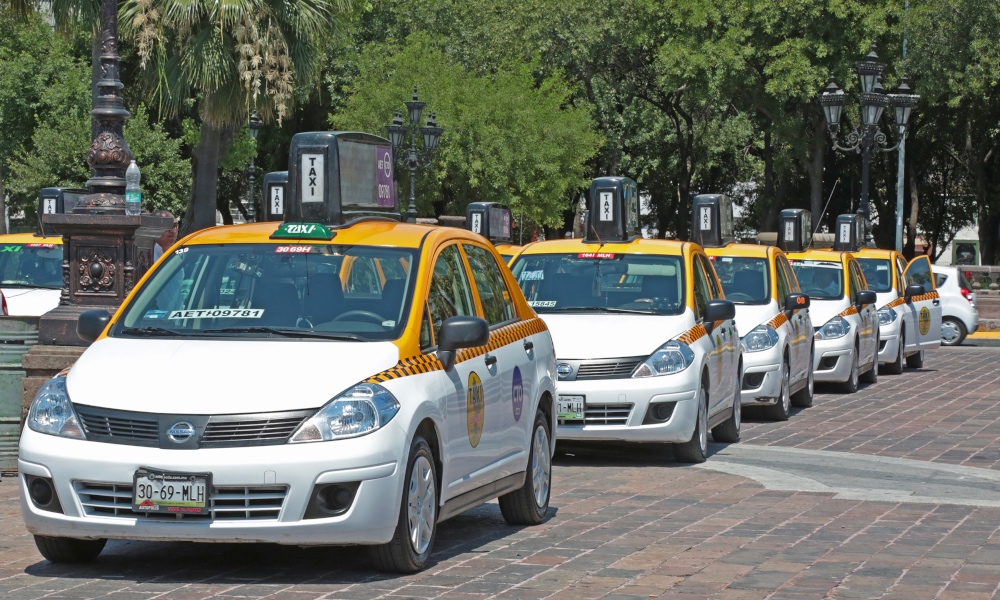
[275,184]
[491,220]
[302,231]
[613,214]
[337,176]
[712,225]
[794,229]
[850,233]
[56,201]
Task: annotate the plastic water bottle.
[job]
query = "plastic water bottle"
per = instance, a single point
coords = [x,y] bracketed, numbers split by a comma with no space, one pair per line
[133,196]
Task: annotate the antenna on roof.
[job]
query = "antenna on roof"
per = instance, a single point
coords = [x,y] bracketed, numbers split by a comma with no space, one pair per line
[819,221]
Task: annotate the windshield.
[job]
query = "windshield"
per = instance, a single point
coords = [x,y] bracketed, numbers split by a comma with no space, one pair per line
[877,272]
[275,290]
[744,280]
[578,282]
[822,280]
[31,265]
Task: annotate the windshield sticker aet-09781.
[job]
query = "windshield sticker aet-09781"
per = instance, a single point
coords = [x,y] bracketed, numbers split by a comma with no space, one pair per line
[217,313]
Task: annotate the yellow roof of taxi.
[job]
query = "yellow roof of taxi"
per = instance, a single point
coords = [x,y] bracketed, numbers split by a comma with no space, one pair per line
[874,253]
[636,246]
[820,254]
[748,250]
[368,233]
[29,238]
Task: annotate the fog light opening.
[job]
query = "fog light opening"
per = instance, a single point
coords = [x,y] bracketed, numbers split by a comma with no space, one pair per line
[331,500]
[753,381]
[659,412]
[43,493]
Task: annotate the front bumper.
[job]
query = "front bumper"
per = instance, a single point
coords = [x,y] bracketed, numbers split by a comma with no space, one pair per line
[616,409]
[833,359]
[888,336]
[765,366]
[77,468]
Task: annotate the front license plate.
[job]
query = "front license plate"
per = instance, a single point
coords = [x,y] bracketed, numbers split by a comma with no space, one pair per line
[571,407]
[156,491]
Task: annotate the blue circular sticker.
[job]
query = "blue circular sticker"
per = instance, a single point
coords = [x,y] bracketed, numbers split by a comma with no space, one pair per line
[517,394]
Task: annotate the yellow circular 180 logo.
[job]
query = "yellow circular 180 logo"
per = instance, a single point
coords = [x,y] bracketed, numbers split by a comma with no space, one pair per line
[475,408]
[924,320]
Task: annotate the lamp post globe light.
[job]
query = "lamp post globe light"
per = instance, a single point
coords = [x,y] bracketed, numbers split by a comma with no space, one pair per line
[253,128]
[867,136]
[414,156]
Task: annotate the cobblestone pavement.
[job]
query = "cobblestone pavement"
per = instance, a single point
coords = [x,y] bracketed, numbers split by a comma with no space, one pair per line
[628,522]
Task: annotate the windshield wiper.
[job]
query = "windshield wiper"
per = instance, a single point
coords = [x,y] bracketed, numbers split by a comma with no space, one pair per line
[301,333]
[599,309]
[151,331]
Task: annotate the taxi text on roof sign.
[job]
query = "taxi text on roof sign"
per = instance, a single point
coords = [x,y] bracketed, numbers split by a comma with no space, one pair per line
[613,211]
[794,230]
[303,231]
[274,196]
[491,220]
[850,233]
[336,177]
[712,222]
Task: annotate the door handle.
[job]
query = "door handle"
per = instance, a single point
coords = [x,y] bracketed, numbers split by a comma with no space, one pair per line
[528,345]
[490,360]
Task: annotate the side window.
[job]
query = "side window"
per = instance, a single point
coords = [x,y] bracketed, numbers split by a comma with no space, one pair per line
[783,287]
[857,281]
[426,341]
[790,278]
[493,293]
[900,270]
[450,294]
[714,289]
[919,272]
[702,294]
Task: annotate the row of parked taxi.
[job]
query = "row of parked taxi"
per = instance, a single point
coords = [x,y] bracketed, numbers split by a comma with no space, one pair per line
[339,377]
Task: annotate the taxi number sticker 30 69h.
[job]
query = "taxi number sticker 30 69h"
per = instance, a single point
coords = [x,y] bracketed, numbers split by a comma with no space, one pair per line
[217,313]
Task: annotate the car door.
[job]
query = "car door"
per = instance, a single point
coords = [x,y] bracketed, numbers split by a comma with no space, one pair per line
[869,319]
[721,358]
[798,323]
[513,369]
[472,402]
[925,310]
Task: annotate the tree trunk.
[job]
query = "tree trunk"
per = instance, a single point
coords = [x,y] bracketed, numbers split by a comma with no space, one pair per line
[909,249]
[213,143]
[768,217]
[3,204]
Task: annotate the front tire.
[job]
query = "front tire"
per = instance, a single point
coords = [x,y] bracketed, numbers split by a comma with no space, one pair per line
[68,550]
[695,450]
[871,376]
[410,546]
[729,430]
[953,331]
[915,361]
[851,385]
[529,504]
[780,410]
[804,397]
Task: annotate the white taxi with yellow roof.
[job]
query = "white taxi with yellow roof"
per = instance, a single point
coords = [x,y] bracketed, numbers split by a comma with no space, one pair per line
[772,318]
[842,308]
[909,309]
[339,378]
[31,272]
[646,344]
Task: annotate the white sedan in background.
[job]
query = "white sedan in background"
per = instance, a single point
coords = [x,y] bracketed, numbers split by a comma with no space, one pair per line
[959,315]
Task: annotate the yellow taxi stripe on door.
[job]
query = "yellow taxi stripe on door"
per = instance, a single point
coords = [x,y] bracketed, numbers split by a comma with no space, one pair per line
[692,335]
[853,310]
[425,363]
[779,320]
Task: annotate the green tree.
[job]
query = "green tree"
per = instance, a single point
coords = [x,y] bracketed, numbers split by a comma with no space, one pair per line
[506,139]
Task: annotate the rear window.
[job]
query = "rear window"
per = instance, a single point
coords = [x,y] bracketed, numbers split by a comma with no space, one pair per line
[939,279]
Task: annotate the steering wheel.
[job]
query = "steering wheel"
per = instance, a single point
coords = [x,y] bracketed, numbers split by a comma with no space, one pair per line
[361,313]
[740,297]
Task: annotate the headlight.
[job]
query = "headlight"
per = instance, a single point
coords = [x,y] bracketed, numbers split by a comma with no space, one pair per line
[672,357]
[836,327]
[52,412]
[760,338]
[886,315]
[358,411]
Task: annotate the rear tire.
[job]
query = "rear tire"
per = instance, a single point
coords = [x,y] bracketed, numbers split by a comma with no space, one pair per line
[896,367]
[804,397]
[69,550]
[411,543]
[695,450]
[780,410]
[871,376]
[915,361]
[953,331]
[851,385]
[529,504]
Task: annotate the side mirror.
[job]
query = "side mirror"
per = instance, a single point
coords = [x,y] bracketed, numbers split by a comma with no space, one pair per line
[866,297]
[794,301]
[718,310]
[914,289]
[460,332]
[91,324]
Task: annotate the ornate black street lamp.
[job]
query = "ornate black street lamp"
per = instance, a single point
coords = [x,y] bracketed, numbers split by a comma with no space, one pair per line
[253,127]
[414,158]
[867,136]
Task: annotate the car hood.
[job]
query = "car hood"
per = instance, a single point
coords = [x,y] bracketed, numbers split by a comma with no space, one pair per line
[749,316]
[204,377]
[30,302]
[589,336]
[821,311]
[885,298]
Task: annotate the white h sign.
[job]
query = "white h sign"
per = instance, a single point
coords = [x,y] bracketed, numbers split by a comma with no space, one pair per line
[311,171]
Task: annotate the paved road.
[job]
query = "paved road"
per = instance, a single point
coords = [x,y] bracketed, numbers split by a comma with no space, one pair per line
[889,493]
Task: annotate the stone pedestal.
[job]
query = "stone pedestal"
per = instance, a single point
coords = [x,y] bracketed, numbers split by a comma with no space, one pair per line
[104,256]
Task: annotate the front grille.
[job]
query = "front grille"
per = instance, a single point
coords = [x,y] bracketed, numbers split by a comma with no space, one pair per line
[607,369]
[605,414]
[246,503]
[223,431]
[124,428]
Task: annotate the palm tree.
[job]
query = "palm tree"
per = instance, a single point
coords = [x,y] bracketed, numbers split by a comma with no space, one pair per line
[232,57]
